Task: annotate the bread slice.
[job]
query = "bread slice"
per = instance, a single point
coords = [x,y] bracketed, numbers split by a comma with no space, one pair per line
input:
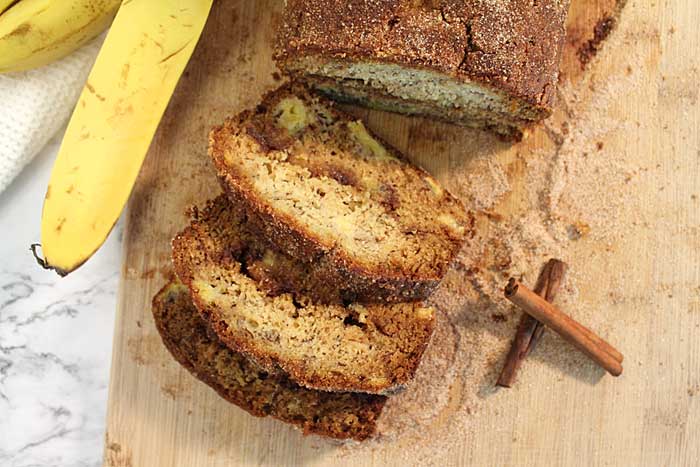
[484,63]
[316,183]
[372,348]
[242,382]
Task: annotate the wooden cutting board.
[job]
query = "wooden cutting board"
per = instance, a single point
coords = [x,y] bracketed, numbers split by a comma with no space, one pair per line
[632,112]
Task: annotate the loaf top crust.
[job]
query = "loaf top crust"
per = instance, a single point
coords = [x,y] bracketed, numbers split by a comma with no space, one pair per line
[512,46]
[242,382]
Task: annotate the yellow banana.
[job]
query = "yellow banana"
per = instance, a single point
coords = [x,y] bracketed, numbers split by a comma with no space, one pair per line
[128,89]
[5,4]
[36,32]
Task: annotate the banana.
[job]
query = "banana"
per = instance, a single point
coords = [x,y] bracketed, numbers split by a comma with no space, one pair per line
[36,32]
[5,4]
[118,112]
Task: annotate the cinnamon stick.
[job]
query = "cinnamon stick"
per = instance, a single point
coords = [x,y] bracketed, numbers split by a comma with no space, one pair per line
[551,278]
[530,330]
[583,338]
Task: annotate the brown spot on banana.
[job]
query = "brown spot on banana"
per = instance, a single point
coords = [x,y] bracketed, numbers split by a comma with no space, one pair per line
[21,30]
[91,88]
[175,53]
[125,72]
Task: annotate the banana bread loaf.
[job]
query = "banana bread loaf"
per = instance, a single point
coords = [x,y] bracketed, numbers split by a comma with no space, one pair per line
[481,63]
[373,348]
[323,189]
[242,382]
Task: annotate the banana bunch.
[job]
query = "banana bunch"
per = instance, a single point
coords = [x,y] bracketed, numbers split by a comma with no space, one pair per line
[36,32]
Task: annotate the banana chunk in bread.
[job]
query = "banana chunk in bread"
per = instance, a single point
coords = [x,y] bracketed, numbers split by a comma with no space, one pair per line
[480,63]
[318,184]
[242,382]
[373,348]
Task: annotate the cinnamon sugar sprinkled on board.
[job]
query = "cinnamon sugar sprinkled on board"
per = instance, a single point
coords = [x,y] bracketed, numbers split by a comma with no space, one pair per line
[574,193]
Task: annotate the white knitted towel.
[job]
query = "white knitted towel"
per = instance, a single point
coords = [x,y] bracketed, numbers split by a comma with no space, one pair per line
[35,104]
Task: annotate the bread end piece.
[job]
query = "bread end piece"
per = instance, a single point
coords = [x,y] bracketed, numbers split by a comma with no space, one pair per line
[485,64]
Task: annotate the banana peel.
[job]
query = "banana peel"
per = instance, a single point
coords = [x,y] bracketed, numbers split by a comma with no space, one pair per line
[118,112]
[37,32]
[5,4]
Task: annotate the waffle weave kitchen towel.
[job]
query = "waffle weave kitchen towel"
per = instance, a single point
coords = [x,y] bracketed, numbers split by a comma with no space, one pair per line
[35,104]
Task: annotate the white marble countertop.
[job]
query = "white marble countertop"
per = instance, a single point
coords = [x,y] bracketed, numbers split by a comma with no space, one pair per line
[55,337]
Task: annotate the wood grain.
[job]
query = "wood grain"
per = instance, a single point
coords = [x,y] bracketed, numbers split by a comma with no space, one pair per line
[159,415]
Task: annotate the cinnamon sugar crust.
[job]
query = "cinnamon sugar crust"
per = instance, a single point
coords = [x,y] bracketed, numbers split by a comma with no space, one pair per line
[510,47]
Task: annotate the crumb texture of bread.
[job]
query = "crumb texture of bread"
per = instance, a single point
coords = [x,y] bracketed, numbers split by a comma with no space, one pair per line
[316,183]
[373,348]
[254,389]
[491,63]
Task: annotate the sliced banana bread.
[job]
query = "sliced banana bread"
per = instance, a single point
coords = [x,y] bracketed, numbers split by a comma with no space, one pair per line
[372,348]
[481,63]
[242,382]
[316,183]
